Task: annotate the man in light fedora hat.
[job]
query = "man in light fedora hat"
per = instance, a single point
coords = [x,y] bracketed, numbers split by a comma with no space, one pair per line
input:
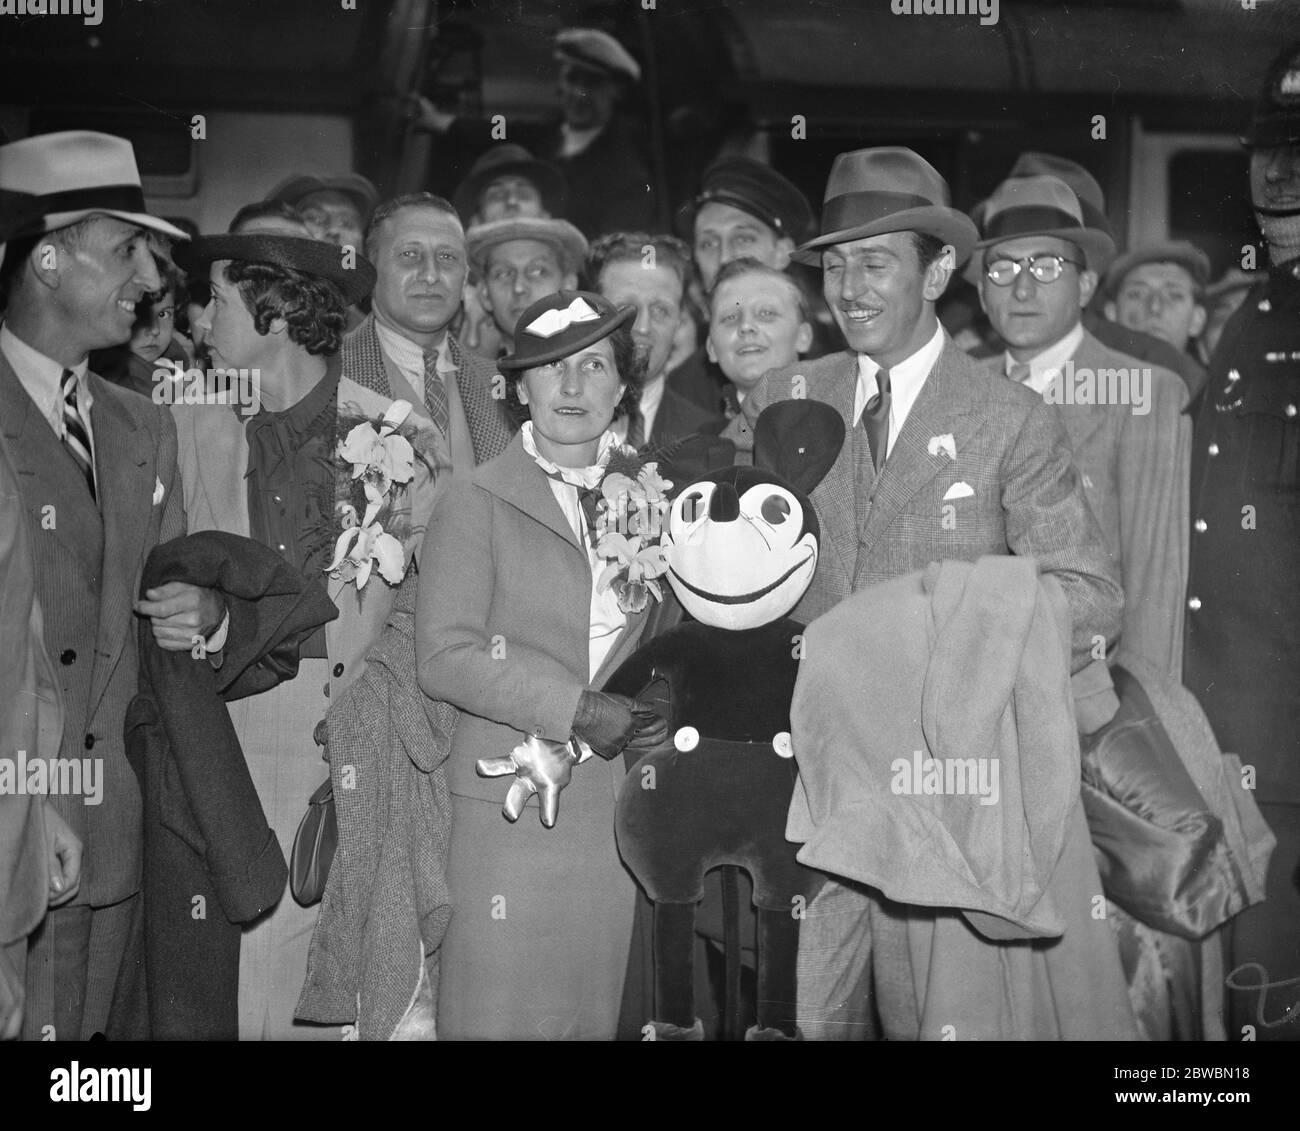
[929,435]
[520,260]
[100,487]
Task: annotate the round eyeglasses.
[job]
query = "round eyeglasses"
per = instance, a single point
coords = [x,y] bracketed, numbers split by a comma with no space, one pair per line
[1045,268]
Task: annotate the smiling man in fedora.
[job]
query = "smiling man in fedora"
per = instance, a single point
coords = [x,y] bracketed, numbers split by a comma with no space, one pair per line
[941,461]
[98,477]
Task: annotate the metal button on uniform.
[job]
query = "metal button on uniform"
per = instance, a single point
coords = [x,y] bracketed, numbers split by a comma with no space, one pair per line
[1233,375]
[280,547]
[1200,526]
[90,742]
[1194,604]
[338,670]
[1214,449]
[1265,306]
[277,498]
[1290,410]
[67,656]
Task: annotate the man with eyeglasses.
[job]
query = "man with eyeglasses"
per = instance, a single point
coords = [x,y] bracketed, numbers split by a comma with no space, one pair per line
[1038,263]
[519,261]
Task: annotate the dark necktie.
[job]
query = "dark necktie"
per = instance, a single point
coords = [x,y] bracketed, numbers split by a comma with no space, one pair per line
[875,420]
[588,499]
[636,436]
[435,393]
[75,437]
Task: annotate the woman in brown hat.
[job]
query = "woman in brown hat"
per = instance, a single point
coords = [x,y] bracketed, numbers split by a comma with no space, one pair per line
[516,627]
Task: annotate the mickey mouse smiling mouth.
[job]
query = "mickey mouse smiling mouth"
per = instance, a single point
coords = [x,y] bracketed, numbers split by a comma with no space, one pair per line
[742,598]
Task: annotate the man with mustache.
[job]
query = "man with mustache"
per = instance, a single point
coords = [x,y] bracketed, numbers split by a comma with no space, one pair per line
[405,349]
[1243,603]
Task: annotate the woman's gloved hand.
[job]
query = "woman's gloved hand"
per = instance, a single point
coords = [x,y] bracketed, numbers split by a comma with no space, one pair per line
[609,724]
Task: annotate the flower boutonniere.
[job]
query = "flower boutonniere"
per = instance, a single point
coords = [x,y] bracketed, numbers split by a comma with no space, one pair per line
[377,462]
[629,524]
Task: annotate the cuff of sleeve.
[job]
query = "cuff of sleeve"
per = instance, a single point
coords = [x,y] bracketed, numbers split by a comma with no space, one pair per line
[1095,701]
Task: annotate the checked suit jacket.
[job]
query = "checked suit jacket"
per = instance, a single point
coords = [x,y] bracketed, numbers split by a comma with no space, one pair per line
[88,562]
[1012,488]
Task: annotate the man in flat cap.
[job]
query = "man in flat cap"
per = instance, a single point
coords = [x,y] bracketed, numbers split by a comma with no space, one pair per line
[609,181]
[98,479]
[1159,289]
[1243,603]
[519,261]
[275,475]
[334,208]
[744,209]
[508,181]
[929,435]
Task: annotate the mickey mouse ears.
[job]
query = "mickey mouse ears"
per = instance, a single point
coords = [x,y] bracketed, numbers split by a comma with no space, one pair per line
[799,440]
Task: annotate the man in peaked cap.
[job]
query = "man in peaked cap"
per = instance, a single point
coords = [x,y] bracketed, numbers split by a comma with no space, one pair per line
[929,434]
[1243,603]
[596,151]
[509,181]
[1160,290]
[743,209]
[98,478]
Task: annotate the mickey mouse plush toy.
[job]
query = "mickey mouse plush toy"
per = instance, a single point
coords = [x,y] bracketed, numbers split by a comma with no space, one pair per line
[741,546]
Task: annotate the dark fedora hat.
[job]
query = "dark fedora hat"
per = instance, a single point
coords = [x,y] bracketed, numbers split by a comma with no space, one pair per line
[510,160]
[1276,120]
[887,189]
[754,188]
[1086,187]
[1042,205]
[350,271]
[561,324]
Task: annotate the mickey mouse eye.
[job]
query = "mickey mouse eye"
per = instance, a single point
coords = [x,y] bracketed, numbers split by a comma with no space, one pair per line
[775,510]
[692,506]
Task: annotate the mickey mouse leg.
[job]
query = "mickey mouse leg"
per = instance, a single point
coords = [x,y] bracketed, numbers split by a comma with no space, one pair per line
[778,953]
[674,962]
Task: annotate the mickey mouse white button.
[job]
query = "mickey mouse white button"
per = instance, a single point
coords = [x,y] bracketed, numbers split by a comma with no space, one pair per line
[686,738]
[783,744]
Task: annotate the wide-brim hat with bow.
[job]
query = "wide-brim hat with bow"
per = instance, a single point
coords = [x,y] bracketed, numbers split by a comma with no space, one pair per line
[354,186]
[887,189]
[570,244]
[510,160]
[352,273]
[1041,205]
[75,174]
[561,324]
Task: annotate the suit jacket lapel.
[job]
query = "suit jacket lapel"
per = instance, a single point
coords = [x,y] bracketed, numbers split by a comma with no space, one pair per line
[835,496]
[47,475]
[1081,421]
[516,478]
[127,477]
[943,406]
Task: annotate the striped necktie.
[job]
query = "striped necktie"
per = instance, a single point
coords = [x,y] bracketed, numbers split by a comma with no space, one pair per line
[875,419]
[435,393]
[76,437]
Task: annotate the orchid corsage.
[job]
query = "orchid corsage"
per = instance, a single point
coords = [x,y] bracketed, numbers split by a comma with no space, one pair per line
[377,463]
[629,524]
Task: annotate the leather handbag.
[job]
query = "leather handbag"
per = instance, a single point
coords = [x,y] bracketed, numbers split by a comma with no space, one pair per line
[314,845]
[1161,851]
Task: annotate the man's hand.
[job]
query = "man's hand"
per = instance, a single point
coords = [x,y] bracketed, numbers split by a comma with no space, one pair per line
[180,612]
[424,115]
[610,723]
[63,858]
[11,999]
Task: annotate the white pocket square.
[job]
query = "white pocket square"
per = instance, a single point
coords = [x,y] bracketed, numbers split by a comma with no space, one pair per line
[944,443]
[960,490]
[158,491]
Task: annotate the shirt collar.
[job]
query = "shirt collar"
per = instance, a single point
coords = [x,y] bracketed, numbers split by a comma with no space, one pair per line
[34,364]
[577,476]
[1045,366]
[297,422]
[407,354]
[905,378]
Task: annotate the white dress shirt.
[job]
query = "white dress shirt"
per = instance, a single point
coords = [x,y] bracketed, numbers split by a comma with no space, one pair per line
[42,379]
[1046,366]
[905,382]
[606,619]
[573,142]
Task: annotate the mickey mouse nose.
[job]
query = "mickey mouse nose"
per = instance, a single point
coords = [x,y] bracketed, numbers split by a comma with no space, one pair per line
[724,506]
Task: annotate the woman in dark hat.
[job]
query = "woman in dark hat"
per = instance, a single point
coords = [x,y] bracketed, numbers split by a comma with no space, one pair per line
[516,629]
